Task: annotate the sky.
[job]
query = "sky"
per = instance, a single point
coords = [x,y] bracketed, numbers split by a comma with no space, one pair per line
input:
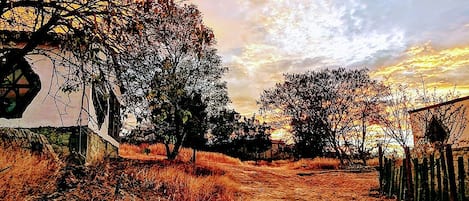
[400,41]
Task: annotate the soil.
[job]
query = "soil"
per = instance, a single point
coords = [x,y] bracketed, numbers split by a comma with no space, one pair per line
[272,183]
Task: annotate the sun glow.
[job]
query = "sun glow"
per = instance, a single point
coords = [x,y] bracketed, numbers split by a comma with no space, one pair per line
[441,70]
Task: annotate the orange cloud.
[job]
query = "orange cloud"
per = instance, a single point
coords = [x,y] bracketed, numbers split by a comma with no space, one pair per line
[440,69]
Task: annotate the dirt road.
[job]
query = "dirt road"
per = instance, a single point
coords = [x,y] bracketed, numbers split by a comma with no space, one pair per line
[271,183]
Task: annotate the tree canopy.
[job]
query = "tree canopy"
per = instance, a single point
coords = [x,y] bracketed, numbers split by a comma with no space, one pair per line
[173,62]
[324,106]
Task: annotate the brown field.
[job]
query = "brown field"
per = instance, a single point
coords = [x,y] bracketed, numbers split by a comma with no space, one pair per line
[279,180]
[214,177]
[23,174]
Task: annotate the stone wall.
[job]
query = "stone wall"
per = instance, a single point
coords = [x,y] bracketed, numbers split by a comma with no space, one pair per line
[61,142]
[98,149]
[24,138]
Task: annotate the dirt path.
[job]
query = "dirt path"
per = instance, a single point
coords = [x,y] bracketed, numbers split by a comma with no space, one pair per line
[268,183]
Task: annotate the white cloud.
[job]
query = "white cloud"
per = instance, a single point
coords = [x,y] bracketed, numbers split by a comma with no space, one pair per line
[327,30]
[261,39]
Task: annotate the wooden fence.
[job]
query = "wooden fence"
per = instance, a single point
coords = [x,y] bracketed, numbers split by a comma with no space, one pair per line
[424,179]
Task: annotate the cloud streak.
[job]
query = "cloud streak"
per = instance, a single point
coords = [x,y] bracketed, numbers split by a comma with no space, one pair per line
[262,39]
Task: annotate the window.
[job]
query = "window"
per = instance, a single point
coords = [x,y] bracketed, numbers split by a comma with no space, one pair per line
[436,131]
[18,89]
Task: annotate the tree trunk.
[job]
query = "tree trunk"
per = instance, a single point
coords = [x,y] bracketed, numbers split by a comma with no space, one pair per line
[364,160]
[193,159]
[178,144]
[168,151]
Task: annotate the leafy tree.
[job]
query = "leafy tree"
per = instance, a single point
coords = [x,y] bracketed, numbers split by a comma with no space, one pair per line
[309,138]
[369,108]
[222,125]
[250,137]
[244,138]
[197,125]
[321,106]
[297,98]
[174,61]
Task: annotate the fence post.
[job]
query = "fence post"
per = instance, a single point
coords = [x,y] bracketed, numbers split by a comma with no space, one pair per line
[381,170]
[452,177]
[391,177]
[386,174]
[462,176]
[408,164]
[405,189]
[438,179]
[416,179]
[424,174]
[444,194]
[401,182]
[432,177]
[396,179]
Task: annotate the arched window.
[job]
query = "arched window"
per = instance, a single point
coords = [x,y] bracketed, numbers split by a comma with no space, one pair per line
[436,131]
[18,89]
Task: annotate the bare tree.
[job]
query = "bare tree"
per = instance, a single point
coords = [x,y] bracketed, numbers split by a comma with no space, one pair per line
[369,105]
[395,122]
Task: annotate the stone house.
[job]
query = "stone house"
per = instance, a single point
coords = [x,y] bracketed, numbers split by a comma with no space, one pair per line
[444,122]
[31,97]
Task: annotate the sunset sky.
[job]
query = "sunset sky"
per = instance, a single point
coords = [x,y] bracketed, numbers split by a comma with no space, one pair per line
[399,41]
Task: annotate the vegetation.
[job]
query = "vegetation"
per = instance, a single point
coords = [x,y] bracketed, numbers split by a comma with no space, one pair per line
[325,107]
[24,175]
[172,78]
[27,176]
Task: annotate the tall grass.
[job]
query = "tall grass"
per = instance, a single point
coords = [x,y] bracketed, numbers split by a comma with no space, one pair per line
[181,180]
[24,176]
[158,151]
[372,162]
[316,163]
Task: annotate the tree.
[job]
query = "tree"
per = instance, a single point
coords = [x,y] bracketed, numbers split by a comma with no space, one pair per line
[222,125]
[250,137]
[244,138]
[297,98]
[82,36]
[369,108]
[321,106]
[395,122]
[197,125]
[175,60]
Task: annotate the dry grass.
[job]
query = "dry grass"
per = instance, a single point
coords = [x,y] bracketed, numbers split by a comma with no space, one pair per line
[214,177]
[373,162]
[316,164]
[149,180]
[180,180]
[158,152]
[24,176]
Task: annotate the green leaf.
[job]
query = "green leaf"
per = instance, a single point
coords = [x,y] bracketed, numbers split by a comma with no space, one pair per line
[185,115]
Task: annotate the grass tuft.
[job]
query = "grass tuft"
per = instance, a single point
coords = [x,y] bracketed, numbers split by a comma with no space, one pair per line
[24,175]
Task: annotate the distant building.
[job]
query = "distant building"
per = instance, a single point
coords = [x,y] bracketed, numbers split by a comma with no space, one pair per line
[279,150]
[439,123]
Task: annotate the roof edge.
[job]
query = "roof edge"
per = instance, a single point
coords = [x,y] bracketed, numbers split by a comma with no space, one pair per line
[439,104]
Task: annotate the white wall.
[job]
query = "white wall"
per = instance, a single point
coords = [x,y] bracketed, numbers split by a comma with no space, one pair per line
[51,106]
